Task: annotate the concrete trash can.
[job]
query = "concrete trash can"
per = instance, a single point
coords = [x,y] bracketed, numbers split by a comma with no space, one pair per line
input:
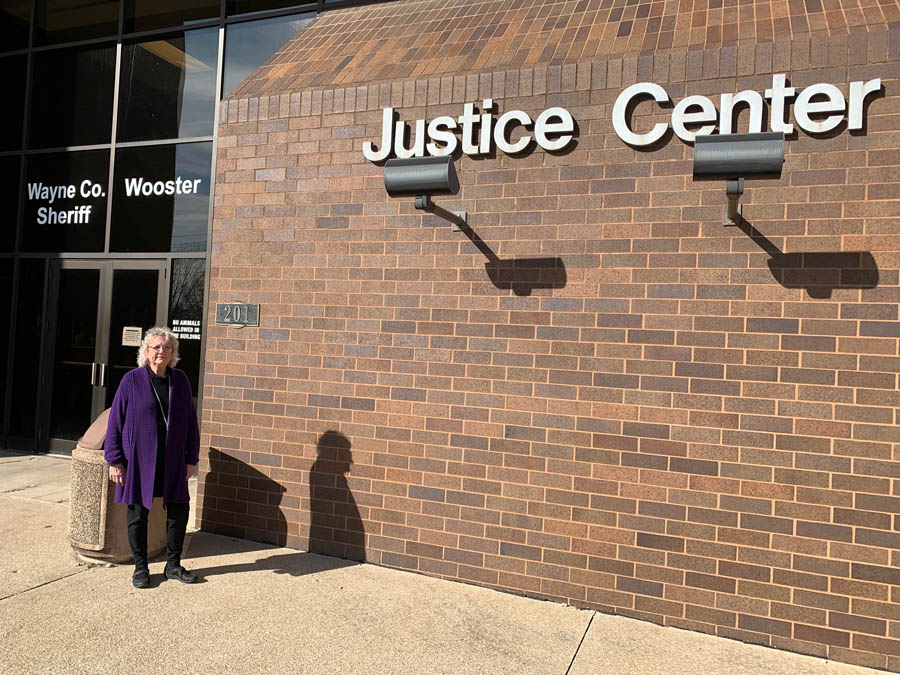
[97,529]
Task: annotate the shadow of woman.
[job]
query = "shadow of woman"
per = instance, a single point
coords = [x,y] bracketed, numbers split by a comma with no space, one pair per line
[336,527]
[242,503]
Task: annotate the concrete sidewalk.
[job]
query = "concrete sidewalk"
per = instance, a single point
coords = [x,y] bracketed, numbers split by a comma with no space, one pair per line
[263,609]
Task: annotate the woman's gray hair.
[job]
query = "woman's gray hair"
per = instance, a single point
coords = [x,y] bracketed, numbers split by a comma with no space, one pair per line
[155,332]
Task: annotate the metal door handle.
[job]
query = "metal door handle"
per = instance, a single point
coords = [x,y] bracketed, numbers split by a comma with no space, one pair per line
[103,374]
[94,374]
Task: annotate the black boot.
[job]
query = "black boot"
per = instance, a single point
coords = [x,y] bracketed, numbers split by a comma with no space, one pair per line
[137,540]
[176,526]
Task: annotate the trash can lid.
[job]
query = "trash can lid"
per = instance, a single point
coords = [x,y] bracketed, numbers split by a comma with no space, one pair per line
[96,433]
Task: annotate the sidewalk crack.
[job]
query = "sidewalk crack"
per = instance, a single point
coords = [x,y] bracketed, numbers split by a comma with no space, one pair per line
[580,642]
[18,489]
[46,583]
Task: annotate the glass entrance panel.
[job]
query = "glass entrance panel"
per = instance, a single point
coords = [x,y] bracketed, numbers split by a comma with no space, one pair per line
[101,310]
[27,349]
[6,296]
[135,296]
[74,372]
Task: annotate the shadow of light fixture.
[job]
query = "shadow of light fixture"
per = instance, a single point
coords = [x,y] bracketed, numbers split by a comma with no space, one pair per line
[818,273]
[422,177]
[732,157]
[521,275]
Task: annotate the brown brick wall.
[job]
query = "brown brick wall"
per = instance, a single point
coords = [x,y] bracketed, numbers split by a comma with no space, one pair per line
[697,427]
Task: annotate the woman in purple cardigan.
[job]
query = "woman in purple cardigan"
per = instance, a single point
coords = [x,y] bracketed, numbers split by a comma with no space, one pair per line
[152,447]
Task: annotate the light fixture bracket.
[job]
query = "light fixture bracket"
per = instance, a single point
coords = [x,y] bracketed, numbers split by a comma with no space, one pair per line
[456,218]
[734,188]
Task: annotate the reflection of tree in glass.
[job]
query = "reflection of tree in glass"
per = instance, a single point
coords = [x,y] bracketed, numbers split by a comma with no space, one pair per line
[186,312]
[186,294]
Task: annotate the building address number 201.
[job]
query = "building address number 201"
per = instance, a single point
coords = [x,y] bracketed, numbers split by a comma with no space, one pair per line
[237,314]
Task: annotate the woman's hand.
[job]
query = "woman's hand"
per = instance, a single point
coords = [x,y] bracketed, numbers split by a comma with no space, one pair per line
[117,474]
[189,471]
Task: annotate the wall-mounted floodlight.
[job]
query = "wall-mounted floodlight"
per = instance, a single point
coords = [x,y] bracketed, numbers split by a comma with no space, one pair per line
[733,157]
[423,177]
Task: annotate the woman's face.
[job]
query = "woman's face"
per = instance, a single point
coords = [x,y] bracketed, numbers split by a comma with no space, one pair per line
[159,352]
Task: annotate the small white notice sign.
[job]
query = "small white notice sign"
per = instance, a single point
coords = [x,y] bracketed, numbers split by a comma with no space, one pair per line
[131,336]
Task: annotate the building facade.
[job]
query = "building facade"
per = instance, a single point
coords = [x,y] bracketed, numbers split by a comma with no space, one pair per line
[106,174]
[596,393]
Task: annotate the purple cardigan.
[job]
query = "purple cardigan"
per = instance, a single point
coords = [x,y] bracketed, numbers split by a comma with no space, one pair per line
[131,438]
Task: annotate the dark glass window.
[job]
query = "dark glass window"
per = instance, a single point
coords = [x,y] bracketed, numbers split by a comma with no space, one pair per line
[6,266]
[15,16]
[249,45]
[134,294]
[75,352]
[168,87]
[9,203]
[245,6]
[70,20]
[65,201]
[186,313]
[161,198]
[72,96]
[12,112]
[27,348]
[149,14]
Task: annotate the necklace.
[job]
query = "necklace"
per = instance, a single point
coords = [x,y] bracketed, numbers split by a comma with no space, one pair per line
[165,417]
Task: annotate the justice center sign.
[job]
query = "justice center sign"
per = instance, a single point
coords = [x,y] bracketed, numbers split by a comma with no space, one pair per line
[818,109]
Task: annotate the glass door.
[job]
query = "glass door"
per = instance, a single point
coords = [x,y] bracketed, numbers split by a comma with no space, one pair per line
[75,358]
[99,312]
[137,303]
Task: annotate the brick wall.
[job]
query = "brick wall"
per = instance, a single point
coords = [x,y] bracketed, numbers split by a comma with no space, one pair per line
[661,416]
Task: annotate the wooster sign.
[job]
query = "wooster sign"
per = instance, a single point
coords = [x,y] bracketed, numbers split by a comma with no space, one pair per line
[818,109]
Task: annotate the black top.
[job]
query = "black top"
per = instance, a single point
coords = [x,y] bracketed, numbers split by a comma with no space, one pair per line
[161,390]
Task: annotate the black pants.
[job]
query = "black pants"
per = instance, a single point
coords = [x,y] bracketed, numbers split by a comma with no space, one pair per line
[176,526]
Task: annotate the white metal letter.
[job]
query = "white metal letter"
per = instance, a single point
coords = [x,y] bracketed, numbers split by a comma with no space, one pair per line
[387,138]
[620,124]
[543,126]
[778,94]
[680,117]
[858,93]
[501,138]
[438,130]
[804,107]
[726,110]
[418,145]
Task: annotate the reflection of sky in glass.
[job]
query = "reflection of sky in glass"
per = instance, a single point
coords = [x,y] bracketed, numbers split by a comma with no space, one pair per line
[198,93]
[191,216]
[168,87]
[249,45]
